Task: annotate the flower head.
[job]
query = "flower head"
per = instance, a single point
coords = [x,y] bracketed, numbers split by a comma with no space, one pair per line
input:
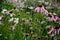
[4,11]
[37,9]
[51,31]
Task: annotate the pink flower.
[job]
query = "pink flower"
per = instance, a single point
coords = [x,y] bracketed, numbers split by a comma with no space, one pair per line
[54,18]
[37,9]
[51,31]
[41,9]
[45,11]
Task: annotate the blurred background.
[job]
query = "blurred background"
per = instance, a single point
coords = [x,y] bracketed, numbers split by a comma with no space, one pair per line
[19,21]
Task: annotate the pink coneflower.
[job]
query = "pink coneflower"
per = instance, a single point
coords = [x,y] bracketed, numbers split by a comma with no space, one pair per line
[54,18]
[51,31]
[45,11]
[37,9]
[41,9]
